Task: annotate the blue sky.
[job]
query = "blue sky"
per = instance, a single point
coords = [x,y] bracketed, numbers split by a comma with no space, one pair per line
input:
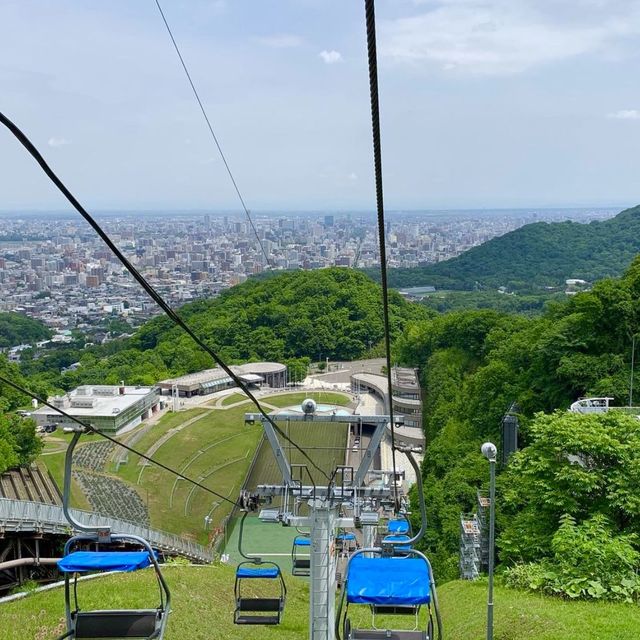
[485,103]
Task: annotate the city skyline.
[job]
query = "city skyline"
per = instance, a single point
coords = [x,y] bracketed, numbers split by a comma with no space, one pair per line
[57,270]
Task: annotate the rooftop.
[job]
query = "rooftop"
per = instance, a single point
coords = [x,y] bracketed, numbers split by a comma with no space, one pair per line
[96,400]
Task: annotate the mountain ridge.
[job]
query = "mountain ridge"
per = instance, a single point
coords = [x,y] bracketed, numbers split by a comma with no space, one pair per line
[538,255]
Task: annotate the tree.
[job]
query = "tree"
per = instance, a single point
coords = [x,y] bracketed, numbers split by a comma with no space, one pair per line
[297,368]
[19,443]
[576,465]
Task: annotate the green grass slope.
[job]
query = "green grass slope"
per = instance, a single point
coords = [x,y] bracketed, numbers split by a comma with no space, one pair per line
[536,255]
[211,445]
[215,448]
[203,606]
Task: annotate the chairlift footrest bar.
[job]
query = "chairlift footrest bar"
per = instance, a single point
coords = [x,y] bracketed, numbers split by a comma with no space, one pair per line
[381,634]
[257,620]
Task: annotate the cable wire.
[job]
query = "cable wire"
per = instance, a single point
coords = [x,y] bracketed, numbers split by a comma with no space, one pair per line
[92,429]
[213,135]
[377,159]
[158,299]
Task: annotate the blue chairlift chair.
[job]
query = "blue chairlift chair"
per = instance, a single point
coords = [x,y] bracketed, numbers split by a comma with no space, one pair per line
[401,543]
[301,564]
[149,624]
[392,580]
[389,586]
[254,610]
[111,623]
[259,609]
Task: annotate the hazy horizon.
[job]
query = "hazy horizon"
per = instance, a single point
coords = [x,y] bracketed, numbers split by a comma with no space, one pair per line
[318,212]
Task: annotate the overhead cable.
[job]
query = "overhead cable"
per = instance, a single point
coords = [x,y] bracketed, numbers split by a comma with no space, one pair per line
[213,135]
[377,160]
[158,299]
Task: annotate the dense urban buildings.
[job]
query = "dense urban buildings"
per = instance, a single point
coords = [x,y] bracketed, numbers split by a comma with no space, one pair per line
[53,267]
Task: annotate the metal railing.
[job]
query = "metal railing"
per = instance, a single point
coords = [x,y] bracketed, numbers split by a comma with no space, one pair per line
[22,515]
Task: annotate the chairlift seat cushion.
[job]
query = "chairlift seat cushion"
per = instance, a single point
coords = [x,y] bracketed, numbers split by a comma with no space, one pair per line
[131,623]
[80,561]
[388,581]
[346,536]
[398,526]
[302,541]
[258,572]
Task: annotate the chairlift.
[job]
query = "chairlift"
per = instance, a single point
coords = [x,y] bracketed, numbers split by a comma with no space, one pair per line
[347,541]
[393,580]
[399,526]
[261,610]
[111,623]
[389,586]
[300,564]
[149,624]
[401,543]
[257,610]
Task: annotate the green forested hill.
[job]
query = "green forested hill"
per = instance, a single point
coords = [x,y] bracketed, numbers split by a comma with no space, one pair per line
[536,255]
[565,500]
[334,313]
[16,329]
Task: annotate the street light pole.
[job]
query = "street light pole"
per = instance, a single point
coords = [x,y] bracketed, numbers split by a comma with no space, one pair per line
[490,452]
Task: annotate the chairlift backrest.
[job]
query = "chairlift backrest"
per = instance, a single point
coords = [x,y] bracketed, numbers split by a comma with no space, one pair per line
[112,623]
[388,581]
[398,526]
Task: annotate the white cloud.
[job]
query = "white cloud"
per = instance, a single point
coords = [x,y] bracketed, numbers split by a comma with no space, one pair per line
[280,41]
[510,36]
[58,142]
[331,57]
[625,114]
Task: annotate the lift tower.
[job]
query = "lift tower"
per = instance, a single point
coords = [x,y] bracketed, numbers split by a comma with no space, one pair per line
[345,490]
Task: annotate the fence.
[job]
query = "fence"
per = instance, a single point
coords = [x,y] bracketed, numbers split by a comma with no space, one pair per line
[21,515]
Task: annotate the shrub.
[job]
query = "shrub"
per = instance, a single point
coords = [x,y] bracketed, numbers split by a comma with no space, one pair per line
[589,562]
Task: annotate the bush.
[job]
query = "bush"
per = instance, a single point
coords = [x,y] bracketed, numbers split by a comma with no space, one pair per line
[590,562]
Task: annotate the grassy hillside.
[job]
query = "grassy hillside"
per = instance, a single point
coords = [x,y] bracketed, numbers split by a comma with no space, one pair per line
[211,445]
[330,440]
[203,605]
[536,255]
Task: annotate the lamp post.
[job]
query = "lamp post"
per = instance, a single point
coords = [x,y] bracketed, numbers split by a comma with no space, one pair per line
[490,452]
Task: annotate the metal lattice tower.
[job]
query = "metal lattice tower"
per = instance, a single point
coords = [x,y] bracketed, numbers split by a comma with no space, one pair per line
[346,487]
[470,547]
[483,522]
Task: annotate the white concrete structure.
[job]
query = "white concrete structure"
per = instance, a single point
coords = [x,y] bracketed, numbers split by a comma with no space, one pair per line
[109,408]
